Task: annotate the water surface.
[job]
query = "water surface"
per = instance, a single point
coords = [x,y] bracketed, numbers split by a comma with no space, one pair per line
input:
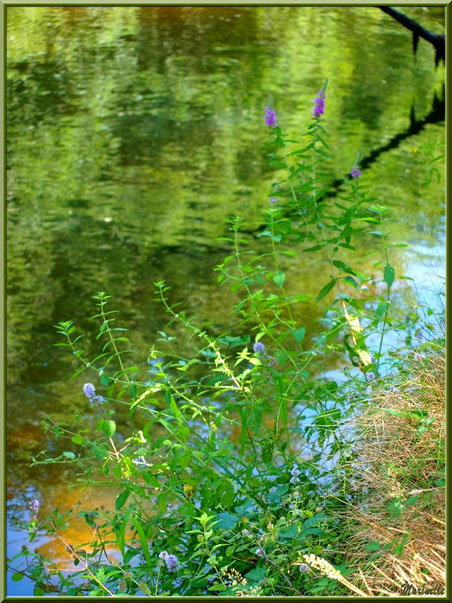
[135,132]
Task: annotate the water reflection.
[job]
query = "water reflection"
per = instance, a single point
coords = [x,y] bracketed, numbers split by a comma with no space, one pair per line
[134,132]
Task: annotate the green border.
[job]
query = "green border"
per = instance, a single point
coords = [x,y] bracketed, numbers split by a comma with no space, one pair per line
[200,3]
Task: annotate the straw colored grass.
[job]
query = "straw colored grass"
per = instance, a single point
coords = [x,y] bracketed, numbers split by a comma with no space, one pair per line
[396,514]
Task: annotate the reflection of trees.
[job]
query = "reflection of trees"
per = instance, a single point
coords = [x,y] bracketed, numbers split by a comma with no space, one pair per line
[151,118]
[435,115]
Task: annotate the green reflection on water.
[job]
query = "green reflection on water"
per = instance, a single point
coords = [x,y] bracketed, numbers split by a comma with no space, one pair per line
[134,132]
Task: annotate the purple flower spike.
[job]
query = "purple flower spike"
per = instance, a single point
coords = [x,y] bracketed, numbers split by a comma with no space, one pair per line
[355,173]
[270,117]
[258,347]
[273,200]
[89,390]
[319,108]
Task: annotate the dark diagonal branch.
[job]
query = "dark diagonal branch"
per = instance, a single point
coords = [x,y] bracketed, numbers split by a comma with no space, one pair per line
[438,41]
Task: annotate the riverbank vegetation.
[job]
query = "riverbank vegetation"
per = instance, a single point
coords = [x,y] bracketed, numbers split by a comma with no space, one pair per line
[395,518]
[247,470]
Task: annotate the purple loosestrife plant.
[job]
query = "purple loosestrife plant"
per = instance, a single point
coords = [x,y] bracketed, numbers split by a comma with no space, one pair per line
[270,117]
[319,101]
[355,173]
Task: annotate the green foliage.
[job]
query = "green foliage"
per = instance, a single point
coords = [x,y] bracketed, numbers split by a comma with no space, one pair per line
[231,458]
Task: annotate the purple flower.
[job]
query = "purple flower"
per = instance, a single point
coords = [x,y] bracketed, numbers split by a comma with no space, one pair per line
[304,569]
[319,108]
[273,200]
[270,117]
[355,173]
[89,390]
[97,400]
[272,361]
[34,506]
[258,347]
[171,561]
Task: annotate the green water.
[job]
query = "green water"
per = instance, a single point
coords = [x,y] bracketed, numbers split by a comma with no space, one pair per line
[135,132]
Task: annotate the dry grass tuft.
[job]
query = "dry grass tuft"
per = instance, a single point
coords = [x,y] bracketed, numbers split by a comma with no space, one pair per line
[397,522]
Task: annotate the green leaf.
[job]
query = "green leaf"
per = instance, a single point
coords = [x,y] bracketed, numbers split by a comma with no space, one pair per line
[395,413]
[241,509]
[225,521]
[104,379]
[389,275]
[77,439]
[326,289]
[256,574]
[69,455]
[299,334]
[315,248]
[373,546]
[314,531]
[381,310]
[144,542]
[344,267]
[217,586]
[278,493]
[411,500]
[279,279]
[289,532]
[278,164]
[17,577]
[398,550]
[267,452]
[109,428]
[121,499]
[312,521]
